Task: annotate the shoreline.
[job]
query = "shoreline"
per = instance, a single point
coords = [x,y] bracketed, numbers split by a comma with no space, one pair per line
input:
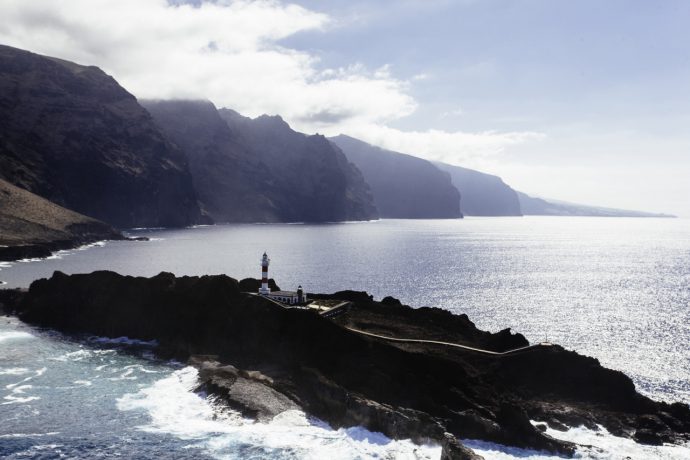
[404,390]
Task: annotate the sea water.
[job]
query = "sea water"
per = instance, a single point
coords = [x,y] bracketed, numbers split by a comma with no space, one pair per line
[616,289]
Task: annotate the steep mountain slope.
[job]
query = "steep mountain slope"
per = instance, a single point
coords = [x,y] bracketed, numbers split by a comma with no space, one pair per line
[71,134]
[482,194]
[261,170]
[231,183]
[31,226]
[540,207]
[403,186]
[311,179]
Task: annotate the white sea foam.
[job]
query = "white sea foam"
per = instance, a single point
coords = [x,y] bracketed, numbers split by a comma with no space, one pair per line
[28,435]
[594,445]
[14,335]
[176,410]
[14,371]
[10,399]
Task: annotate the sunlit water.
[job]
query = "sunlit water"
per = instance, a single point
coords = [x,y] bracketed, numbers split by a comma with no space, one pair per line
[616,289]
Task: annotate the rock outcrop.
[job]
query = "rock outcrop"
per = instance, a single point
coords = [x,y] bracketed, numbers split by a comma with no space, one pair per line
[31,226]
[295,357]
[72,134]
[483,194]
[403,186]
[260,170]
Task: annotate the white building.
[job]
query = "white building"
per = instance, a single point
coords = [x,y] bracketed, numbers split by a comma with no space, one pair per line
[286,297]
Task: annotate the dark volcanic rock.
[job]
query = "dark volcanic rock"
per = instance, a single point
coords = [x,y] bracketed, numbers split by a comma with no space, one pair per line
[71,134]
[453,450]
[260,170]
[32,227]
[415,390]
[483,194]
[403,186]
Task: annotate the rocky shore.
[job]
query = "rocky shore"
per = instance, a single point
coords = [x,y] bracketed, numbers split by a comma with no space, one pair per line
[33,227]
[261,359]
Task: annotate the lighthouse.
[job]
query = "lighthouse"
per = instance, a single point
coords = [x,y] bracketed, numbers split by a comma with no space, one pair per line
[265,290]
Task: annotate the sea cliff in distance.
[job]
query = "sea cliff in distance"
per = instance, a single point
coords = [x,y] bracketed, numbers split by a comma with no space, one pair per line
[73,135]
[404,186]
[261,170]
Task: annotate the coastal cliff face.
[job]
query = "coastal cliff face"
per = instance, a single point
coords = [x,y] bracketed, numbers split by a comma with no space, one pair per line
[72,134]
[311,180]
[483,194]
[31,226]
[298,358]
[231,183]
[260,170]
[403,186]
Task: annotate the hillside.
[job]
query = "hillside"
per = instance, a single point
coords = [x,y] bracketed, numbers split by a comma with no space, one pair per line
[482,194]
[31,226]
[532,206]
[403,186]
[304,178]
[260,170]
[72,134]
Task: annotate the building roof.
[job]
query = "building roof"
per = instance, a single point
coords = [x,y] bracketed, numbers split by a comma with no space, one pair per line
[284,293]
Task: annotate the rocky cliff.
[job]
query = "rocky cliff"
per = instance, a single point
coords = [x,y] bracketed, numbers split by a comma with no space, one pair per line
[72,134]
[297,358]
[260,170]
[309,179]
[483,194]
[403,186]
[31,226]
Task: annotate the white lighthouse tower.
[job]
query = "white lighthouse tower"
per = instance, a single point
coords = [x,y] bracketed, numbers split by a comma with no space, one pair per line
[264,290]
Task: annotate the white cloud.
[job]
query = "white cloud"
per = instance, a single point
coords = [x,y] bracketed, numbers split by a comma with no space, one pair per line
[458,112]
[229,52]
[452,147]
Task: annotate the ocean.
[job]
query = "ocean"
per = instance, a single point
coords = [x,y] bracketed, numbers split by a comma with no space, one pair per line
[617,289]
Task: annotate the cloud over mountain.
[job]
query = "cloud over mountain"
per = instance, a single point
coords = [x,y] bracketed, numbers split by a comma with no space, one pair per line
[231,53]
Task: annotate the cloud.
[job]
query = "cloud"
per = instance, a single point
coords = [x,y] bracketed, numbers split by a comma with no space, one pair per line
[458,148]
[452,113]
[230,52]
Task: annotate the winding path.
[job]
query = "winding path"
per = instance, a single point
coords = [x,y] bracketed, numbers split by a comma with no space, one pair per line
[450,344]
[433,342]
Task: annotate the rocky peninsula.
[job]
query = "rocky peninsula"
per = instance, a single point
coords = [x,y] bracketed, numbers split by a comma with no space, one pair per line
[261,359]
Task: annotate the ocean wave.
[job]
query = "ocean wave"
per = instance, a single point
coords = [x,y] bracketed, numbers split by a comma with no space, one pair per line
[10,399]
[14,371]
[593,445]
[28,435]
[175,409]
[14,335]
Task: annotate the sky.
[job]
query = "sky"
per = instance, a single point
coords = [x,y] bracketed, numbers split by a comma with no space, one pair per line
[584,101]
